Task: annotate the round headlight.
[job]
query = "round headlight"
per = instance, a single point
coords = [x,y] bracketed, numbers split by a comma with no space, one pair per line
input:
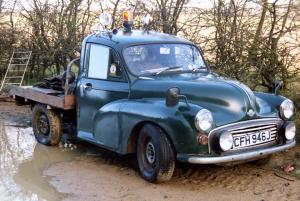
[204,120]
[290,131]
[287,109]
[226,141]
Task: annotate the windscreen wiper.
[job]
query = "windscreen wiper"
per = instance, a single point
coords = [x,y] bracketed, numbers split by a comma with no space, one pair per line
[200,68]
[167,69]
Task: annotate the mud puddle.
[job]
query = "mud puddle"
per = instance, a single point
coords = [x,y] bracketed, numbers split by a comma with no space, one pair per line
[22,162]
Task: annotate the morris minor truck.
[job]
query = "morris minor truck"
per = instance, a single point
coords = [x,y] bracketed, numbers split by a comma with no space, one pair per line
[153,94]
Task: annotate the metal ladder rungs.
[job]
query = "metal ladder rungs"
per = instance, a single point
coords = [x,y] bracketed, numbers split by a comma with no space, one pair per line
[21,52]
[22,58]
[13,77]
[7,83]
[18,64]
[16,71]
[16,68]
[11,71]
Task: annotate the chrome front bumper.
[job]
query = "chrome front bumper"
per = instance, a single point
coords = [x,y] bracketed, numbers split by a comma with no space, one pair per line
[239,156]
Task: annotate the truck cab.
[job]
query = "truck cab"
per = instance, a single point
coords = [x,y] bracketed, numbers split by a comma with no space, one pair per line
[123,90]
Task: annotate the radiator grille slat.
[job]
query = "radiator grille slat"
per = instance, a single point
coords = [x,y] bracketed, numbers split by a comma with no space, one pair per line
[245,130]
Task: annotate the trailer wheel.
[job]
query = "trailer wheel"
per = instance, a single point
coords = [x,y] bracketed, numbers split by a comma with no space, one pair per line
[155,154]
[47,126]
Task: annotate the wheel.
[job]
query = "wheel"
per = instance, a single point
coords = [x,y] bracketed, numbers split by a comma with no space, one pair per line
[156,158]
[46,125]
[262,161]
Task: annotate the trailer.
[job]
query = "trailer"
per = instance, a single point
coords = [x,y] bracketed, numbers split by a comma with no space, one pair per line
[52,98]
[53,111]
[55,99]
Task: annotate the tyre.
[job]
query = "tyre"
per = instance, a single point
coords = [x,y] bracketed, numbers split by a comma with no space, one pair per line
[47,126]
[155,154]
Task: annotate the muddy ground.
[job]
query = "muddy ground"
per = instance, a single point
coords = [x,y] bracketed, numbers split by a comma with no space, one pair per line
[29,171]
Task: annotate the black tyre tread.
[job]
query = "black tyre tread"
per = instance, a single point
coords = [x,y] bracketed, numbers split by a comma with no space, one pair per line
[166,163]
[56,126]
[167,169]
[54,123]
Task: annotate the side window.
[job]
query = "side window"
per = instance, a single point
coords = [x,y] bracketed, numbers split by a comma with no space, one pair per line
[198,59]
[98,61]
[102,63]
[115,70]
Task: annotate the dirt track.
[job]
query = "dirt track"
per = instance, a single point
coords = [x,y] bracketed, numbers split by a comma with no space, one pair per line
[30,171]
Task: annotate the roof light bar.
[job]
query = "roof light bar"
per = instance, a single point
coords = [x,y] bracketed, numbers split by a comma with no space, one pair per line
[127,20]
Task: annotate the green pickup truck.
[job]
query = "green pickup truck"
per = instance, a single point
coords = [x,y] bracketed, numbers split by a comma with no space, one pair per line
[149,93]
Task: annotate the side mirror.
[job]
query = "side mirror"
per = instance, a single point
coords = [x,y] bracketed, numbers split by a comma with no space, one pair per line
[212,66]
[172,96]
[277,87]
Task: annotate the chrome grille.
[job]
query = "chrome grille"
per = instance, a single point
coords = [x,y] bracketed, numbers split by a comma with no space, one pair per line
[240,128]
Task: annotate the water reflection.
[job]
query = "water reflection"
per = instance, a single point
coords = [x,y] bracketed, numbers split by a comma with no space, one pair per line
[22,162]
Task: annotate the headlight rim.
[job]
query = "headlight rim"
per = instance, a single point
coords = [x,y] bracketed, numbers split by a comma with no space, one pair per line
[196,120]
[282,109]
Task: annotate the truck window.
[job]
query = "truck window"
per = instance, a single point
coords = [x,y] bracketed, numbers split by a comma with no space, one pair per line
[98,61]
[115,71]
[153,58]
[102,62]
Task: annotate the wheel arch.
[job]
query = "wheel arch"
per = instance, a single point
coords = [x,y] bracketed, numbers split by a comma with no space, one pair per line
[132,140]
[176,122]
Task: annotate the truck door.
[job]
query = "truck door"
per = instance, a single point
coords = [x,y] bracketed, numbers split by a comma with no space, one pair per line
[102,81]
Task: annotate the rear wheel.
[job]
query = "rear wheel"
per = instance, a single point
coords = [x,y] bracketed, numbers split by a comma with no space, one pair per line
[46,125]
[155,154]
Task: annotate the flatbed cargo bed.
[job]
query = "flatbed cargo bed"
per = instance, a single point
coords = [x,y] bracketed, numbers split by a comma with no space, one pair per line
[49,97]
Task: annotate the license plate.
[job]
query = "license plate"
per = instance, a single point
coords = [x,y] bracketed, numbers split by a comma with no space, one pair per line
[249,139]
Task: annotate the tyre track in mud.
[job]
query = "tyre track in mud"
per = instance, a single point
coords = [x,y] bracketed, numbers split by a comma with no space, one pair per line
[105,176]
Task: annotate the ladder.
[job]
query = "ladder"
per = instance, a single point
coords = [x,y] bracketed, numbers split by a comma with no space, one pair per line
[16,69]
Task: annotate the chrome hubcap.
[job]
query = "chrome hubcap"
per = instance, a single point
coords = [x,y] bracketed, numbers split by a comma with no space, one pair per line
[150,153]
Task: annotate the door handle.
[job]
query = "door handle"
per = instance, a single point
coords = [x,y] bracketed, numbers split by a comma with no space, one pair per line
[87,86]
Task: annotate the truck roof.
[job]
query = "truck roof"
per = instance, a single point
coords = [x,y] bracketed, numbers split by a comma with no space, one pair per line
[123,39]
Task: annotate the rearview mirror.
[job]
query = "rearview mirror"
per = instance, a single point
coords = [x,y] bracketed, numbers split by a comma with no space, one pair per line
[172,96]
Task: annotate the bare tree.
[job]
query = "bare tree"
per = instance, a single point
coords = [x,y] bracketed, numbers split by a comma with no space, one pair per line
[250,40]
[57,29]
[8,32]
[268,52]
